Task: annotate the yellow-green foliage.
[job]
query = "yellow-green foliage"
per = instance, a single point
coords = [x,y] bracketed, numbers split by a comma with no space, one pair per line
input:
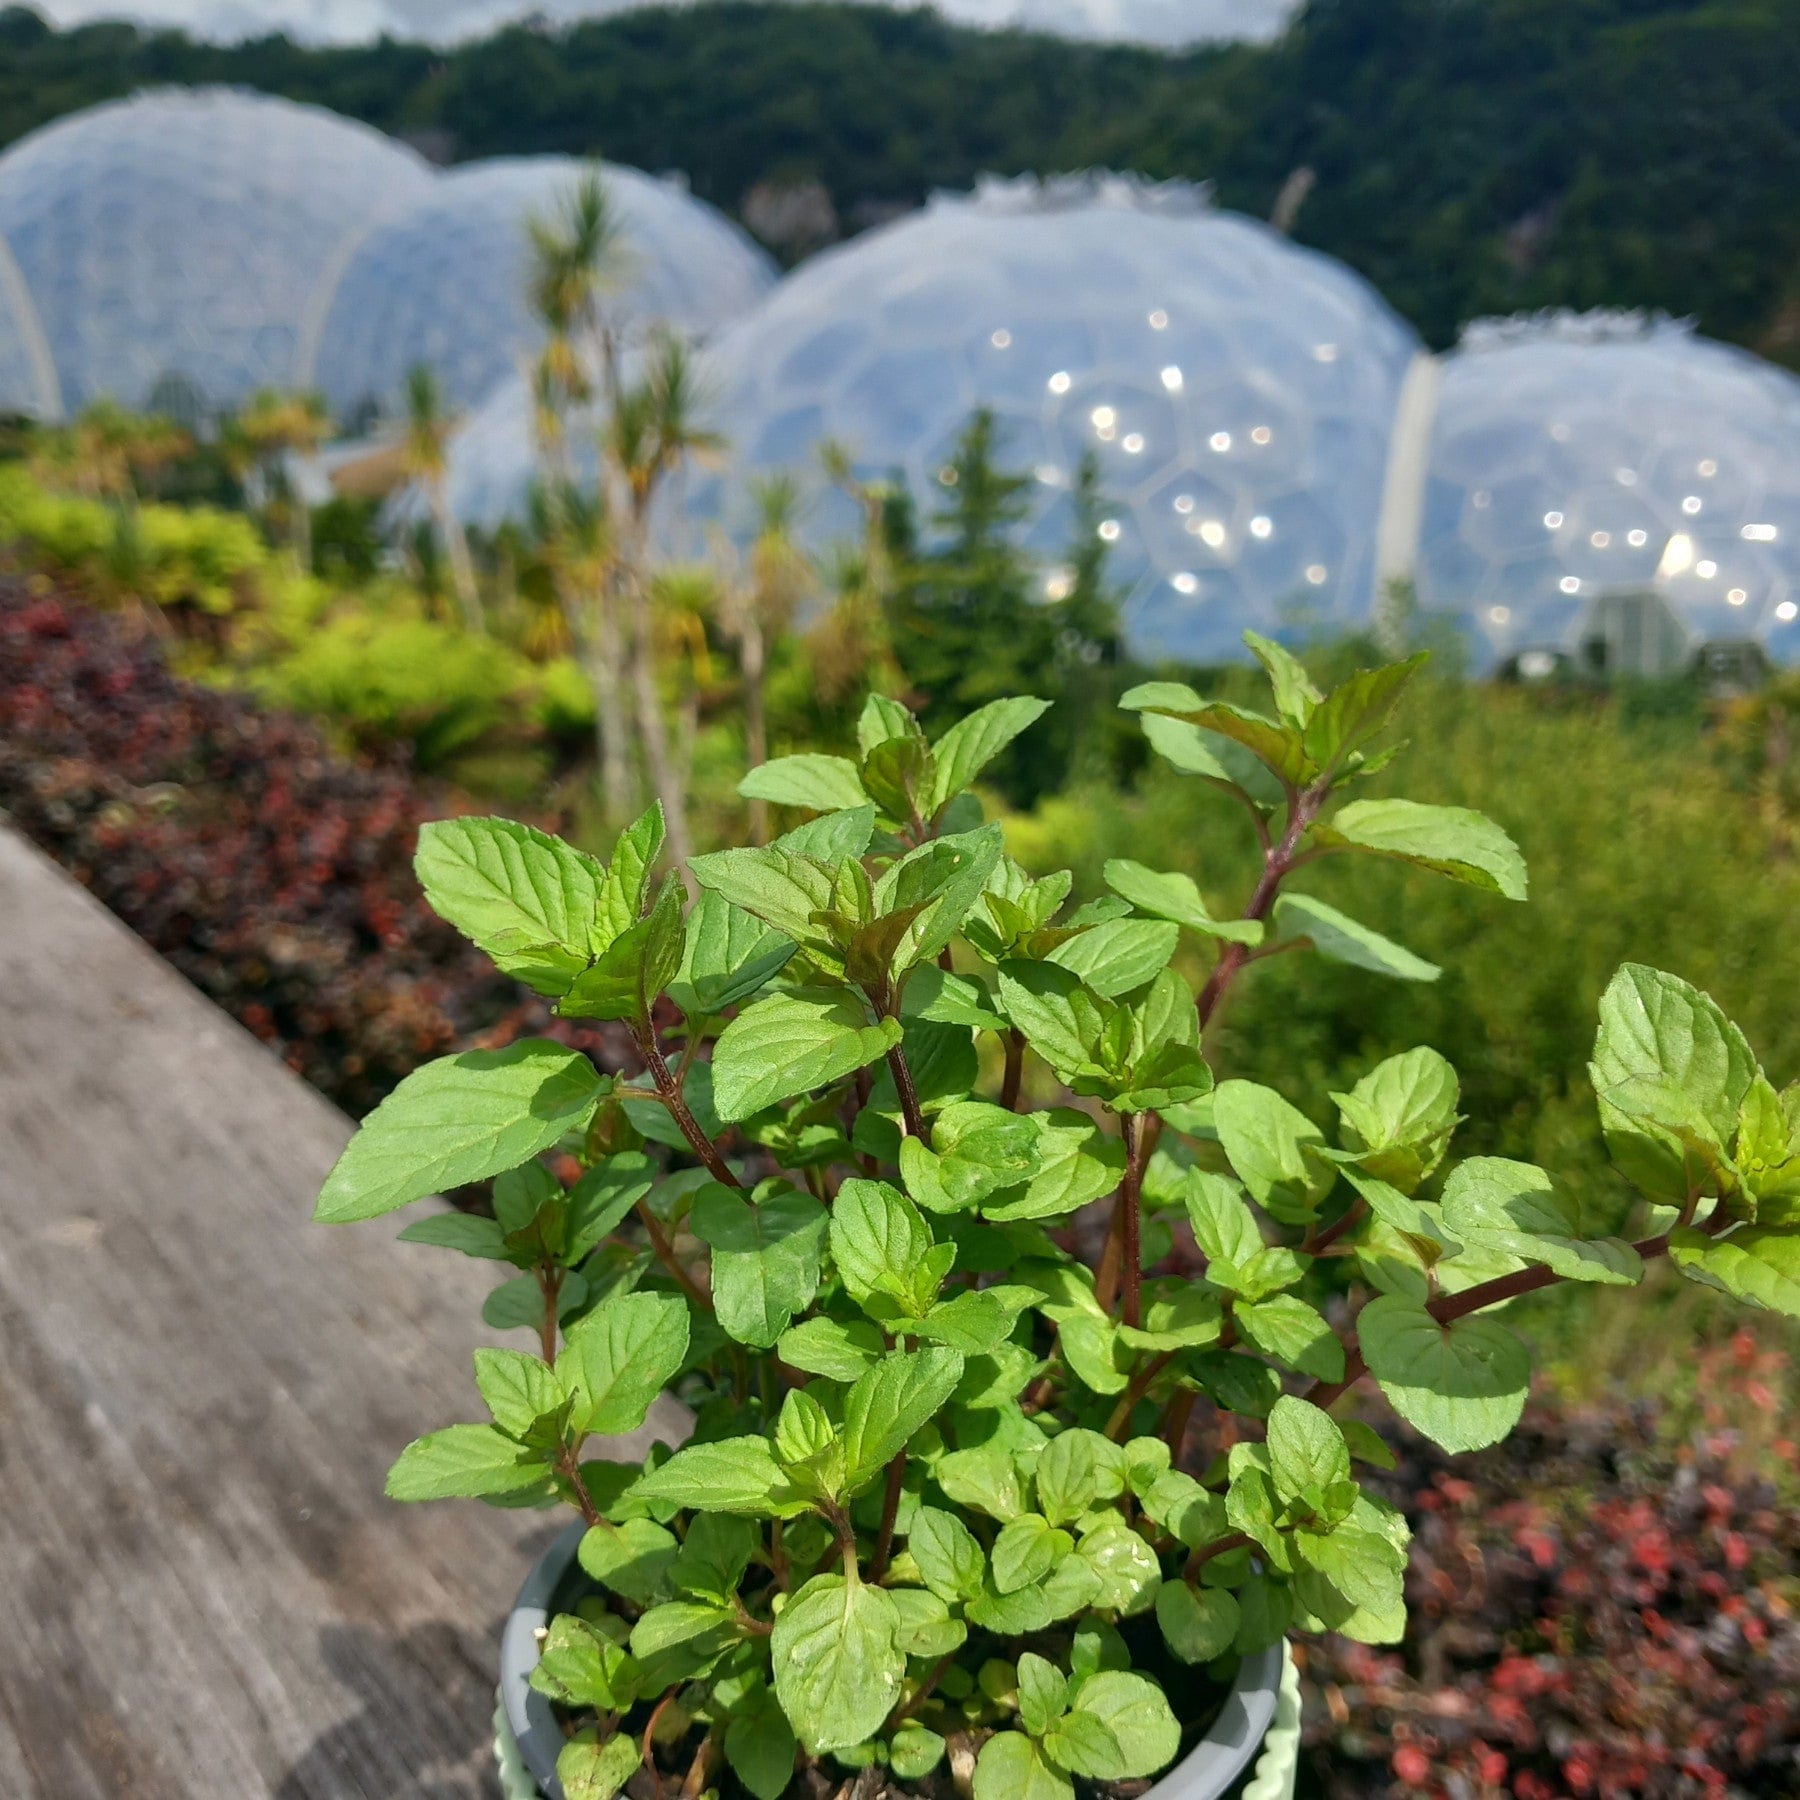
[194,557]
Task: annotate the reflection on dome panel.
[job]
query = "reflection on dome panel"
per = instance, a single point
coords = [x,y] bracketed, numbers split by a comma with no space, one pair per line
[1578,460]
[444,282]
[1201,360]
[180,236]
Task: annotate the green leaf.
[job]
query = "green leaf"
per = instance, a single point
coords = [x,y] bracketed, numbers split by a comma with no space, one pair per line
[1135,1712]
[634,855]
[883,1249]
[727,957]
[760,1746]
[950,1561]
[765,1256]
[1069,1475]
[915,1751]
[1295,693]
[736,1475]
[1462,1385]
[1306,1449]
[832,838]
[792,1043]
[1340,938]
[1398,1119]
[1467,846]
[632,1558]
[518,1305]
[590,1769]
[460,1119]
[777,884]
[984,1479]
[1357,710]
[464,1462]
[837,1350]
[1024,1552]
[679,1639]
[1514,1208]
[1755,1263]
[1270,1145]
[1077,1162]
[1175,897]
[530,901]
[519,1389]
[1125,1565]
[821,783]
[1043,1693]
[974,741]
[1070,1588]
[467,1232]
[1011,1767]
[579,1666]
[838,1666]
[618,1358]
[626,979]
[1062,1019]
[926,1627]
[1285,1327]
[1659,1033]
[1118,955]
[976,1322]
[1224,1226]
[949,872]
[1214,759]
[602,1198]
[1198,1624]
[885,1407]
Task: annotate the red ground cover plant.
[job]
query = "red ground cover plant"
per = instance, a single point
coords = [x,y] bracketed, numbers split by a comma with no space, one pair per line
[1602,1606]
[272,873]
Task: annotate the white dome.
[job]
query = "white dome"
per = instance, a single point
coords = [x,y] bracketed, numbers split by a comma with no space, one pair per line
[443,283]
[1579,457]
[1237,391]
[176,238]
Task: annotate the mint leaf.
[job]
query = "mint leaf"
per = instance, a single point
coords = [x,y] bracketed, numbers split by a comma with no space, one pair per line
[1271,1146]
[1755,1263]
[1025,1551]
[884,1251]
[1343,939]
[464,1462]
[530,901]
[736,1475]
[950,1561]
[1462,1385]
[792,1043]
[1012,1767]
[973,742]
[1399,1117]
[1515,1209]
[1285,1327]
[460,1119]
[838,1665]
[624,981]
[591,1769]
[467,1232]
[822,783]
[1306,1449]
[1136,1714]
[760,1746]
[617,1359]
[727,956]
[889,1403]
[632,1558]
[1175,897]
[838,1350]
[519,1389]
[765,1256]
[1197,1624]
[1467,846]
[1118,955]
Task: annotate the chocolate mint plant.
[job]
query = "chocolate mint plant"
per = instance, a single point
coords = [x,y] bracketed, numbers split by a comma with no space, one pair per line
[977,1489]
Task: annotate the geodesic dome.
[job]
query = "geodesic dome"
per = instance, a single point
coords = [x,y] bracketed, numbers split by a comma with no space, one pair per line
[1236,390]
[173,240]
[1578,462]
[443,282]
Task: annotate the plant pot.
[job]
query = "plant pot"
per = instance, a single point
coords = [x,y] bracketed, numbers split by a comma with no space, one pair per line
[1262,1711]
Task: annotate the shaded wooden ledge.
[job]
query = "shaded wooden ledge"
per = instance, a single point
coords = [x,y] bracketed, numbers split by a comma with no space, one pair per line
[202,1590]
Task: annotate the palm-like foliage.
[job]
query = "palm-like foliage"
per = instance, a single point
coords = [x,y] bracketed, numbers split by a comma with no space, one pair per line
[427,435]
[271,427]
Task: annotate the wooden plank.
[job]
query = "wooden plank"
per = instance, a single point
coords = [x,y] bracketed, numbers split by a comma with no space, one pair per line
[202,1589]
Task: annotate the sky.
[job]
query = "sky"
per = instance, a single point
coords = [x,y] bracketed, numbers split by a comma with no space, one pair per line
[1144,21]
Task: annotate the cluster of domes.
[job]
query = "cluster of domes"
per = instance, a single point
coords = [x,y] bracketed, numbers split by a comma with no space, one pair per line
[1275,446]
[185,247]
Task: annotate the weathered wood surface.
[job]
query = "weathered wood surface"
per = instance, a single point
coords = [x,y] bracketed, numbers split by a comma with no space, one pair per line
[202,1590]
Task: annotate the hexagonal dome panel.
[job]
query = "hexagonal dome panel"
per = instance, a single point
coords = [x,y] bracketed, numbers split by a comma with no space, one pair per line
[444,281]
[1236,390]
[176,238]
[1580,459]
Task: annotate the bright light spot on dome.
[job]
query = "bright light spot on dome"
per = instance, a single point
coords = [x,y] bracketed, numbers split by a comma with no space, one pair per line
[1706,569]
[1059,584]
[1185,582]
[1787,612]
[1534,665]
[1220,441]
[1049,475]
[1625,477]
[1709,468]
[1759,534]
[1552,520]
[1109,531]
[1001,339]
[1172,379]
[1570,584]
[1560,432]
[1637,539]
[1261,434]
[1315,573]
[1261,526]
[1499,614]
[1325,353]
[1677,556]
[1133,444]
[1692,504]
[1060,382]
[947,476]
[1212,532]
[1737,596]
[1159,320]
[1600,539]
[1103,417]
[1481,499]
[1184,503]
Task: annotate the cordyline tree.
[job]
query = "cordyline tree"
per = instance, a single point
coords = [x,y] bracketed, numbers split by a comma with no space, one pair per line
[952,1493]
